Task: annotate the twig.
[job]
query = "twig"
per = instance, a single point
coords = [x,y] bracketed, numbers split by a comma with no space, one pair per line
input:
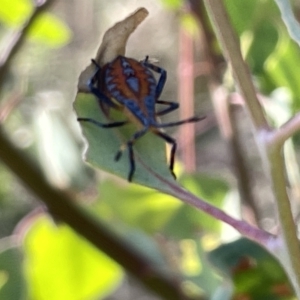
[186,100]
[230,45]
[286,131]
[75,216]
[240,168]
[262,237]
[18,38]
[289,255]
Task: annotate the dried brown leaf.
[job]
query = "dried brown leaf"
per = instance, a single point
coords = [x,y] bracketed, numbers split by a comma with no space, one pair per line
[113,44]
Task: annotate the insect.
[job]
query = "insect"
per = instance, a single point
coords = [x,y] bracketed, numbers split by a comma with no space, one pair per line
[129,85]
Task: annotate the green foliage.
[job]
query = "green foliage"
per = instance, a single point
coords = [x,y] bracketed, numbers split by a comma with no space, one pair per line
[58,264]
[281,67]
[196,268]
[173,4]
[192,220]
[104,144]
[256,274]
[139,213]
[152,211]
[61,265]
[15,12]
[12,284]
[49,30]
[149,210]
[271,53]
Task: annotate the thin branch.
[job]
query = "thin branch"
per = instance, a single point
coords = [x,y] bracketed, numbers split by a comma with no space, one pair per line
[289,254]
[262,237]
[230,45]
[186,99]
[19,37]
[286,131]
[66,209]
[240,167]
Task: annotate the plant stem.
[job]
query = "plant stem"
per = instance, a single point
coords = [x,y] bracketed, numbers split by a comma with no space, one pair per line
[289,254]
[265,239]
[230,44]
[66,209]
[18,38]
[286,131]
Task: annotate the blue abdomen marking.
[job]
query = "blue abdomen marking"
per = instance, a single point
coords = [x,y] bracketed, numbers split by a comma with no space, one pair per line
[133,84]
[129,81]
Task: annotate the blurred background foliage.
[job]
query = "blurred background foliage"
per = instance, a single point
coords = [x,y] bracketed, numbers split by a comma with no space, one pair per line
[42,259]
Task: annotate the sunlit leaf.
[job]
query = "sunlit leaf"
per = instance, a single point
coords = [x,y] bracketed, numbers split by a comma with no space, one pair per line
[15,12]
[196,268]
[149,210]
[50,30]
[174,4]
[62,266]
[189,23]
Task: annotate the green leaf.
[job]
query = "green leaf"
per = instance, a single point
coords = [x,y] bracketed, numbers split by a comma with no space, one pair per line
[150,150]
[250,15]
[12,284]
[261,48]
[242,13]
[50,30]
[281,67]
[15,12]
[255,273]
[196,268]
[59,265]
[173,4]
[149,210]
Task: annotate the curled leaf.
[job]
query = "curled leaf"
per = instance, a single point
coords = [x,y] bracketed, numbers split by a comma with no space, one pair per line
[113,44]
[115,38]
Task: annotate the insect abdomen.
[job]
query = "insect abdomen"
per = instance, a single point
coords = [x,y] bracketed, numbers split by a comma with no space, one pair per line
[130,82]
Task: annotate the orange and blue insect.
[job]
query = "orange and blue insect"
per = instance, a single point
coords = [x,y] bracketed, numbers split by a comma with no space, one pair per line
[129,85]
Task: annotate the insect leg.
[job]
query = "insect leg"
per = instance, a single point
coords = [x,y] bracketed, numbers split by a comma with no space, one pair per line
[190,120]
[162,78]
[129,145]
[108,125]
[100,96]
[172,106]
[171,141]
